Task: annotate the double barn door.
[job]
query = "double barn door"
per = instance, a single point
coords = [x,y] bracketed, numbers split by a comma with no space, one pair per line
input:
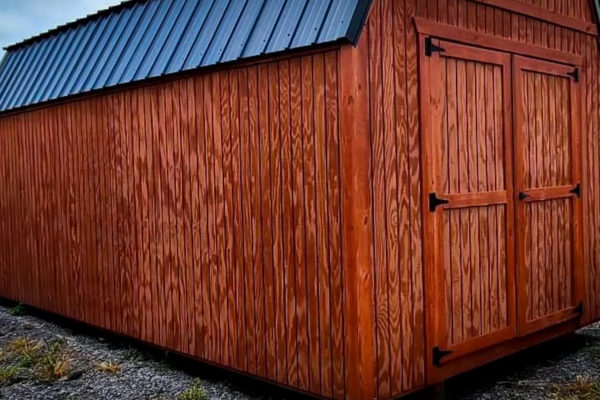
[502,185]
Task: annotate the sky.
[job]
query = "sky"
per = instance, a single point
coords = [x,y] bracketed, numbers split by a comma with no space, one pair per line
[21,19]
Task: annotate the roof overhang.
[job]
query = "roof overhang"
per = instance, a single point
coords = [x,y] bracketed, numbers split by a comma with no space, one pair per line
[596,10]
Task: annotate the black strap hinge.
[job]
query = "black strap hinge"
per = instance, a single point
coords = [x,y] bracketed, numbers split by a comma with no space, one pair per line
[431,48]
[576,190]
[435,202]
[438,354]
[574,74]
[523,196]
[579,309]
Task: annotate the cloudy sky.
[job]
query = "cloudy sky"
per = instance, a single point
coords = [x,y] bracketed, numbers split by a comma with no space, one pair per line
[20,19]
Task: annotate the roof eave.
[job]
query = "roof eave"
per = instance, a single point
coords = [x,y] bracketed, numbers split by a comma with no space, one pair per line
[358,21]
[596,10]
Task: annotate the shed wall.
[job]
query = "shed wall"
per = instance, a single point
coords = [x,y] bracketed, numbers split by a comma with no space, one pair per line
[396,164]
[233,181]
[201,214]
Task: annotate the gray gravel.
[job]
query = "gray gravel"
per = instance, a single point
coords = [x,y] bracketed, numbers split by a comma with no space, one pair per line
[565,369]
[145,373]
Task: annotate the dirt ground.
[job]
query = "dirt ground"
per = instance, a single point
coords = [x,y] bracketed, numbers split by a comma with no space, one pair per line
[43,357]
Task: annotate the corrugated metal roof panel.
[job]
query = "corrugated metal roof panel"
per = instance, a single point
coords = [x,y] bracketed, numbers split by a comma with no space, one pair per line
[259,38]
[132,46]
[141,39]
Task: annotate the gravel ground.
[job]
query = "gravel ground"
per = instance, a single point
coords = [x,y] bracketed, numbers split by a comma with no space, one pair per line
[563,369]
[142,373]
[107,367]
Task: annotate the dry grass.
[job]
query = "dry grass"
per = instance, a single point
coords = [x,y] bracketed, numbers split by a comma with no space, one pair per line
[583,388]
[24,351]
[23,358]
[53,367]
[109,367]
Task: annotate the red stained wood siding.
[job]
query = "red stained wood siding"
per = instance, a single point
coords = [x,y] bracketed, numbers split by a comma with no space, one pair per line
[396,191]
[396,163]
[201,214]
[229,215]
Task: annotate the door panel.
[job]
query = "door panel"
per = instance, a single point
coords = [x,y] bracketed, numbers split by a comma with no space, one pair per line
[475,268]
[548,176]
[468,179]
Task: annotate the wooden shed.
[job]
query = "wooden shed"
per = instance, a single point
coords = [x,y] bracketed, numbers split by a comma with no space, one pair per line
[355,199]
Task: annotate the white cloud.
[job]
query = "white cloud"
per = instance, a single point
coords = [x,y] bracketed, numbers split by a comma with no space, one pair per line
[21,19]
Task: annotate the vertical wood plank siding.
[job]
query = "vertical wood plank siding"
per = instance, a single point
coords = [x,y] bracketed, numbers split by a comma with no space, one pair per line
[201,214]
[208,214]
[396,187]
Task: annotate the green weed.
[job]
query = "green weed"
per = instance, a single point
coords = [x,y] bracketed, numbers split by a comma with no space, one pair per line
[195,392]
[17,310]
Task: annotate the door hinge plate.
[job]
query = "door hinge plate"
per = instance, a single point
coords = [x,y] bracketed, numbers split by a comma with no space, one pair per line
[438,354]
[523,196]
[574,74]
[435,202]
[431,48]
[576,190]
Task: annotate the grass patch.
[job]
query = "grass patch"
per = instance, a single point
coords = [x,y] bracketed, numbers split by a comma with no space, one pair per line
[23,358]
[18,310]
[24,352]
[583,388]
[109,367]
[9,374]
[54,363]
[194,392]
[53,367]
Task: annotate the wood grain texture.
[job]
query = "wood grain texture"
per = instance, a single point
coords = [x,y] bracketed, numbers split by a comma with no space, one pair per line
[547,124]
[396,194]
[269,217]
[201,214]
[396,151]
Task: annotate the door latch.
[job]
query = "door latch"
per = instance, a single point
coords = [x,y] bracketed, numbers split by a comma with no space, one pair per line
[438,354]
[435,202]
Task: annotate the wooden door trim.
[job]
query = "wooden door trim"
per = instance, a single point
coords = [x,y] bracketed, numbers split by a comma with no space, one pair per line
[550,193]
[499,351]
[432,280]
[577,171]
[544,66]
[478,39]
[548,321]
[433,229]
[542,14]
[480,199]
